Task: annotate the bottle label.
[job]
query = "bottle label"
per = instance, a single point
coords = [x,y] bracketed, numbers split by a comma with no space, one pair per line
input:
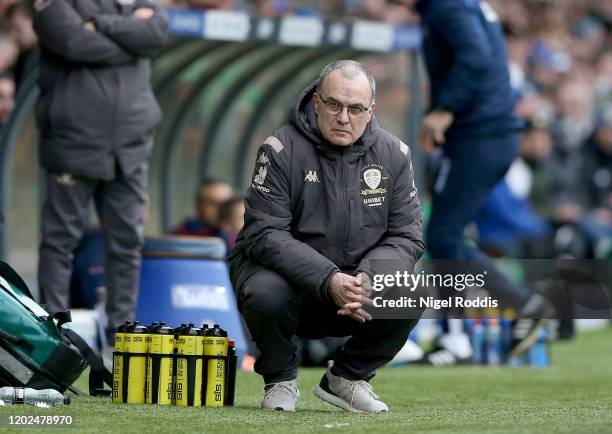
[18,395]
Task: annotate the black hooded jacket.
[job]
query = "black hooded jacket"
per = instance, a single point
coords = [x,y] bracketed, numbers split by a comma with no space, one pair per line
[314,208]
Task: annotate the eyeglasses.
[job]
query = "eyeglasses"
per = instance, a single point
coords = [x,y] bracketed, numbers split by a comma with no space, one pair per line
[334,107]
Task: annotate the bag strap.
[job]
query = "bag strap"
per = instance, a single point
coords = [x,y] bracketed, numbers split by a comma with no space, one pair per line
[99,375]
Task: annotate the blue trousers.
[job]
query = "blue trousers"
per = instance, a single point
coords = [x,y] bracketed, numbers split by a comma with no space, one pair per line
[470,169]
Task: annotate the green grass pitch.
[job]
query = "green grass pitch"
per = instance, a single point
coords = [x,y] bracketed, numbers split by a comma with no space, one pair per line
[573,395]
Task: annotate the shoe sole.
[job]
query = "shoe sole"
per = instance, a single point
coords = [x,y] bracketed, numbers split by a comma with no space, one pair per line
[333,399]
[529,340]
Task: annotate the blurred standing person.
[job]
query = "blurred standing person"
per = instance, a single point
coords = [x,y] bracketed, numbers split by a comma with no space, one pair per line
[472,119]
[19,17]
[7,102]
[231,219]
[96,114]
[570,131]
[595,221]
[9,51]
[7,97]
[211,194]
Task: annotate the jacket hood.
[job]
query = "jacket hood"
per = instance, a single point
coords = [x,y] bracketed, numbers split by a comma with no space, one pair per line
[303,117]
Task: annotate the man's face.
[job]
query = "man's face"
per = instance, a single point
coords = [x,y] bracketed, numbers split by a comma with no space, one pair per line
[7,98]
[344,128]
[20,27]
[209,200]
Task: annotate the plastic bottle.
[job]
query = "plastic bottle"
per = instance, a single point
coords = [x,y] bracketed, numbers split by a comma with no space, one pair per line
[135,347]
[215,344]
[27,396]
[506,336]
[6,396]
[538,353]
[493,342]
[478,342]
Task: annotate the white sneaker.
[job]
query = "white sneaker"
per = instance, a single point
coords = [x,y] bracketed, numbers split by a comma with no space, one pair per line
[354,396]
[458,344]
[281,396]
[410,352]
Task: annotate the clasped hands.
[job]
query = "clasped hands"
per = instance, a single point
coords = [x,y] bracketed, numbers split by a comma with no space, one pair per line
[351,294]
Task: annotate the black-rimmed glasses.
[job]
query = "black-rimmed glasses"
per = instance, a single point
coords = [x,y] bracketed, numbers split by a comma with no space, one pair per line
[334,107]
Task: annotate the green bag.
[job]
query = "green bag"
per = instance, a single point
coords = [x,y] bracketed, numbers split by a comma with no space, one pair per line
[35,351]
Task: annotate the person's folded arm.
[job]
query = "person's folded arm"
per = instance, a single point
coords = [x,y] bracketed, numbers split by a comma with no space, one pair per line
[268,218]
[141,37]
[61,30]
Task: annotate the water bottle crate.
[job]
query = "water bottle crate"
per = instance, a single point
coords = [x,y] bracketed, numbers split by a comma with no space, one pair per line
[185,366]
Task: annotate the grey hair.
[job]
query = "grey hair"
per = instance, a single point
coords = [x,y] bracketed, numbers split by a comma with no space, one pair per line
[349,69]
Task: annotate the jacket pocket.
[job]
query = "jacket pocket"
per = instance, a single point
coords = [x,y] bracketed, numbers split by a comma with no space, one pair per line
[372,222]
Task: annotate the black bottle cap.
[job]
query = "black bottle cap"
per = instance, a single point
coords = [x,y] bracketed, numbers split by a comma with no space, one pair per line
[179,330]
[136,328]
[216,331]
[190,330]
[123,327]
[165,330]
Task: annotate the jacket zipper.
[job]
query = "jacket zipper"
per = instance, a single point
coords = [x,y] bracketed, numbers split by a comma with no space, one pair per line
[346,212]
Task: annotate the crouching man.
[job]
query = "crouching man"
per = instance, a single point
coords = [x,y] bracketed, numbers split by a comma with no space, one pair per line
[331,192]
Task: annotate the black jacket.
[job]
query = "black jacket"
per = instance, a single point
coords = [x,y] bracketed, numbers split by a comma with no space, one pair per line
[96,105]
[310,211]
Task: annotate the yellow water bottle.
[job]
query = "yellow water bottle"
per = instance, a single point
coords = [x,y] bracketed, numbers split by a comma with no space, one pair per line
[215,344]
[160,365]
[118,389]
[135,346]
[189,351]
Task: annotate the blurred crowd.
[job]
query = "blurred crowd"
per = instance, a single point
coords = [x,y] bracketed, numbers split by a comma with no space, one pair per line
[18,44]
[561,188]
[560,191]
